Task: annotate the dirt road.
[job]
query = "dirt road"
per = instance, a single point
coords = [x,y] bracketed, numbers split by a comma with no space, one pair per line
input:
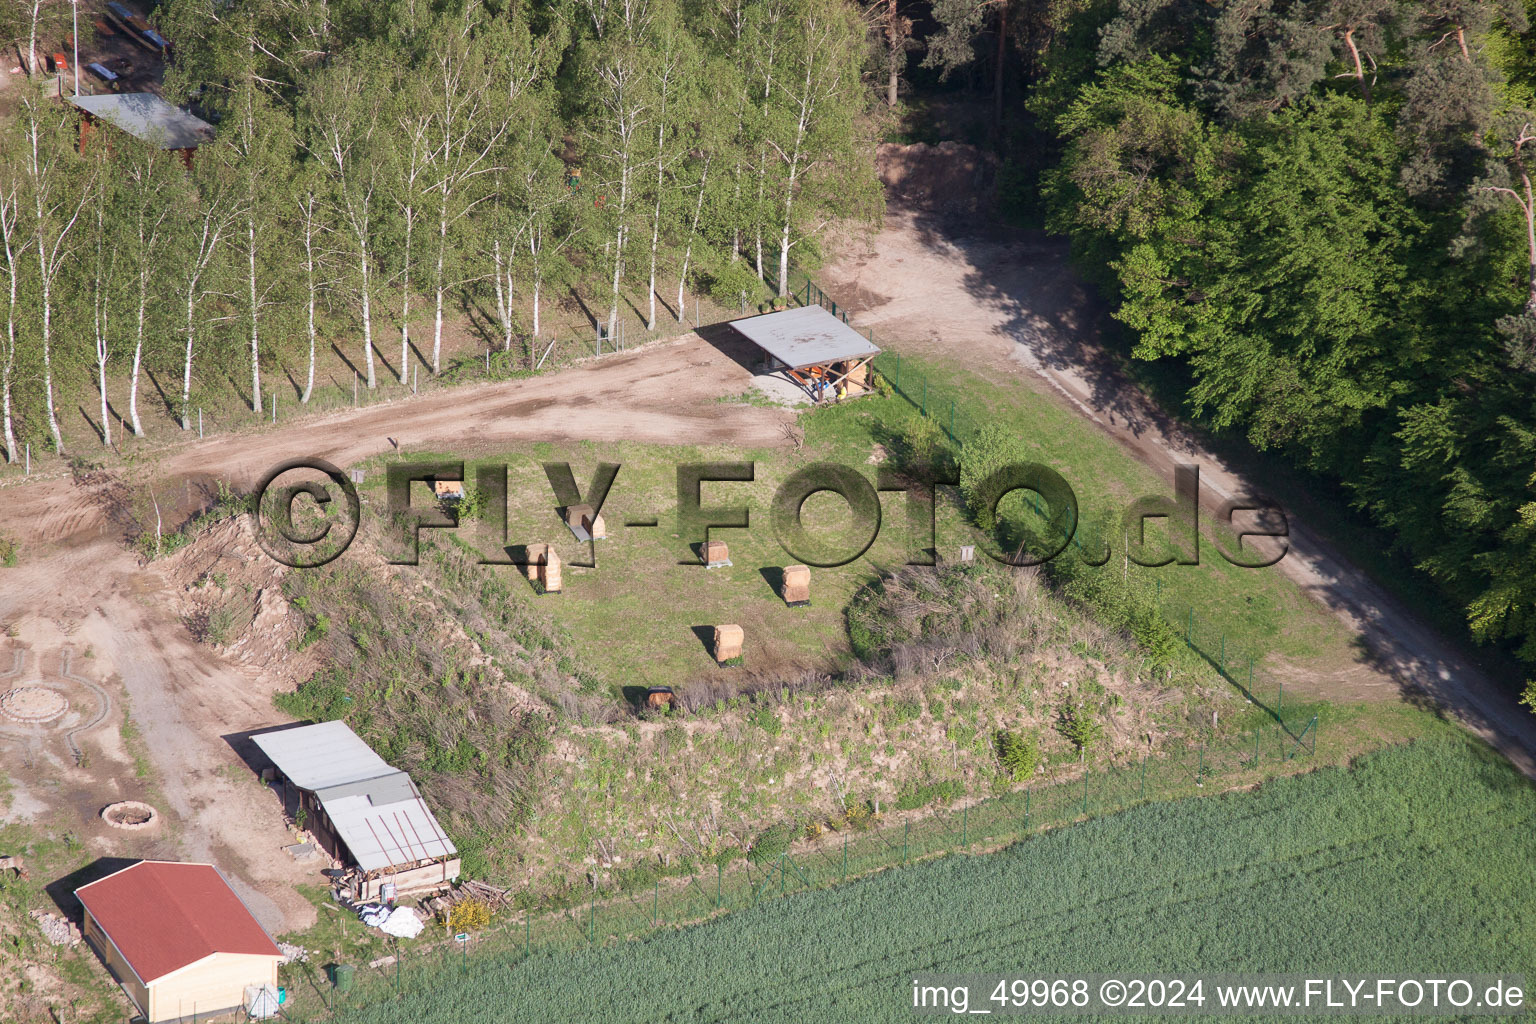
[188,700]
[1013,306]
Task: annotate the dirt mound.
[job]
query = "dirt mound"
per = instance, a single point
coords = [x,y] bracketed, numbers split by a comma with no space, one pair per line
[951,178]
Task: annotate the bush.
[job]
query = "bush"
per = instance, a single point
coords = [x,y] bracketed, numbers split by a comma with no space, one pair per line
[900,710]
[766,719]
[1017,753]
[9,552]
[1081,726]
[770,844]
[725,283]
[988,450]
[914,795]
[922,442]
[469,915]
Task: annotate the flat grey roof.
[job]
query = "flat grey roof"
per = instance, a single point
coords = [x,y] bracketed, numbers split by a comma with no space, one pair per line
[317,757]
[377,810]
[148,117]
[805,336]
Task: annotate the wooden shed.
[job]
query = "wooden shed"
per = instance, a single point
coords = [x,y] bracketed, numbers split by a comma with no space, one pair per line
[177,938]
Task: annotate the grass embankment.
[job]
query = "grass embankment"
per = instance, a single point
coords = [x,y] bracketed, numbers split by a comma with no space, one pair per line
[1414,861]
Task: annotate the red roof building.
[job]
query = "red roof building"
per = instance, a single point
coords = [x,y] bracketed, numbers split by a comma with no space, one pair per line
[177,938]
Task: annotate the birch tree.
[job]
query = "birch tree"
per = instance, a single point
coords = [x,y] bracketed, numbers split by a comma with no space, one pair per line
[812,127]
[154,186]
[674,65]
[206,227]
[342,113]
[622,115]
[13,245]
[58,197]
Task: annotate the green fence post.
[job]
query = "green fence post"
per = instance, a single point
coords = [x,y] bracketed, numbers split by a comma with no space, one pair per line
[1279,697]
[527,933]
[906,830]
[898,371]
[965,817]
[845,856]
[1143,776]
[1189,630]
[1256,745]
[1086,772]
[1026,809]
[952,419]
[781,873]
[1223,652]
[718,870]
[655,901]
[592,919]
[1200,772]
[925,396]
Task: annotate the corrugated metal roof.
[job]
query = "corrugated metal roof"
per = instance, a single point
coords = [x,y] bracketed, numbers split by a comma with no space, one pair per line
[318,756]
[376,810]
[148,117]
[805,336]
[386,834]
[164,916]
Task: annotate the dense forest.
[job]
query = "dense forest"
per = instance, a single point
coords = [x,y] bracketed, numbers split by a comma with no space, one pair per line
[1318,214]
[1321,213]
[373,161]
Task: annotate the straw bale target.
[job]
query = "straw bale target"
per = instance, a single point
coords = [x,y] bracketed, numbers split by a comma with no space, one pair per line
[728,640]
[797,584]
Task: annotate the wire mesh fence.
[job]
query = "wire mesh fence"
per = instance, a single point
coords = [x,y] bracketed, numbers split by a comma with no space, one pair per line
[820,857]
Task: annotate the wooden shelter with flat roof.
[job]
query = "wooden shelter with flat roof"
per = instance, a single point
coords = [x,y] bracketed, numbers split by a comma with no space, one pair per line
[814,349]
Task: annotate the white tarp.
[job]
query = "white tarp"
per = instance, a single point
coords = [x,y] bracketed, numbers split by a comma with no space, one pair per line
[403,922]
[261,1001]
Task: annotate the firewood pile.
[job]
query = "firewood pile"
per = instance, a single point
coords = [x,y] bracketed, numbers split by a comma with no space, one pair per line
[493,896]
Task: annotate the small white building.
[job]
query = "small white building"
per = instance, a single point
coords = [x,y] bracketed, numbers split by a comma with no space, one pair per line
[361,810]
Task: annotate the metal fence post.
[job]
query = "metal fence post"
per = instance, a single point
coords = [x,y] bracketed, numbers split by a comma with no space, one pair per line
[925,396]
[527,932]
[592,919]
[898,371]
[906,830]
[845,856]
[655,901]
[1086,773]
[718,871]
[964,822]
[1256,745]
[1189,630]
[1200,772]
[1143,776]
[1027,793]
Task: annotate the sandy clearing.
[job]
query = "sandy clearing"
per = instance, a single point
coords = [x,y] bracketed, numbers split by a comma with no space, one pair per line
[77,578]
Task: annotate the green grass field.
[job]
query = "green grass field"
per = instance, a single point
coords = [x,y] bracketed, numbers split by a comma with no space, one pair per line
[1415,860]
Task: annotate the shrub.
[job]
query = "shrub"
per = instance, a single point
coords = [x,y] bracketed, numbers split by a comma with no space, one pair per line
[468,915]
[988,450]
[1017,753]
[770,844]
[1079,724]
[726,282]
[922,442]
[900,710]
[766,719]
[914,795]
[221,619]
[9,552]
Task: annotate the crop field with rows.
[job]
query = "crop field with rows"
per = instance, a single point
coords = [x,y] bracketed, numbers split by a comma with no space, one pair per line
[1417,860]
